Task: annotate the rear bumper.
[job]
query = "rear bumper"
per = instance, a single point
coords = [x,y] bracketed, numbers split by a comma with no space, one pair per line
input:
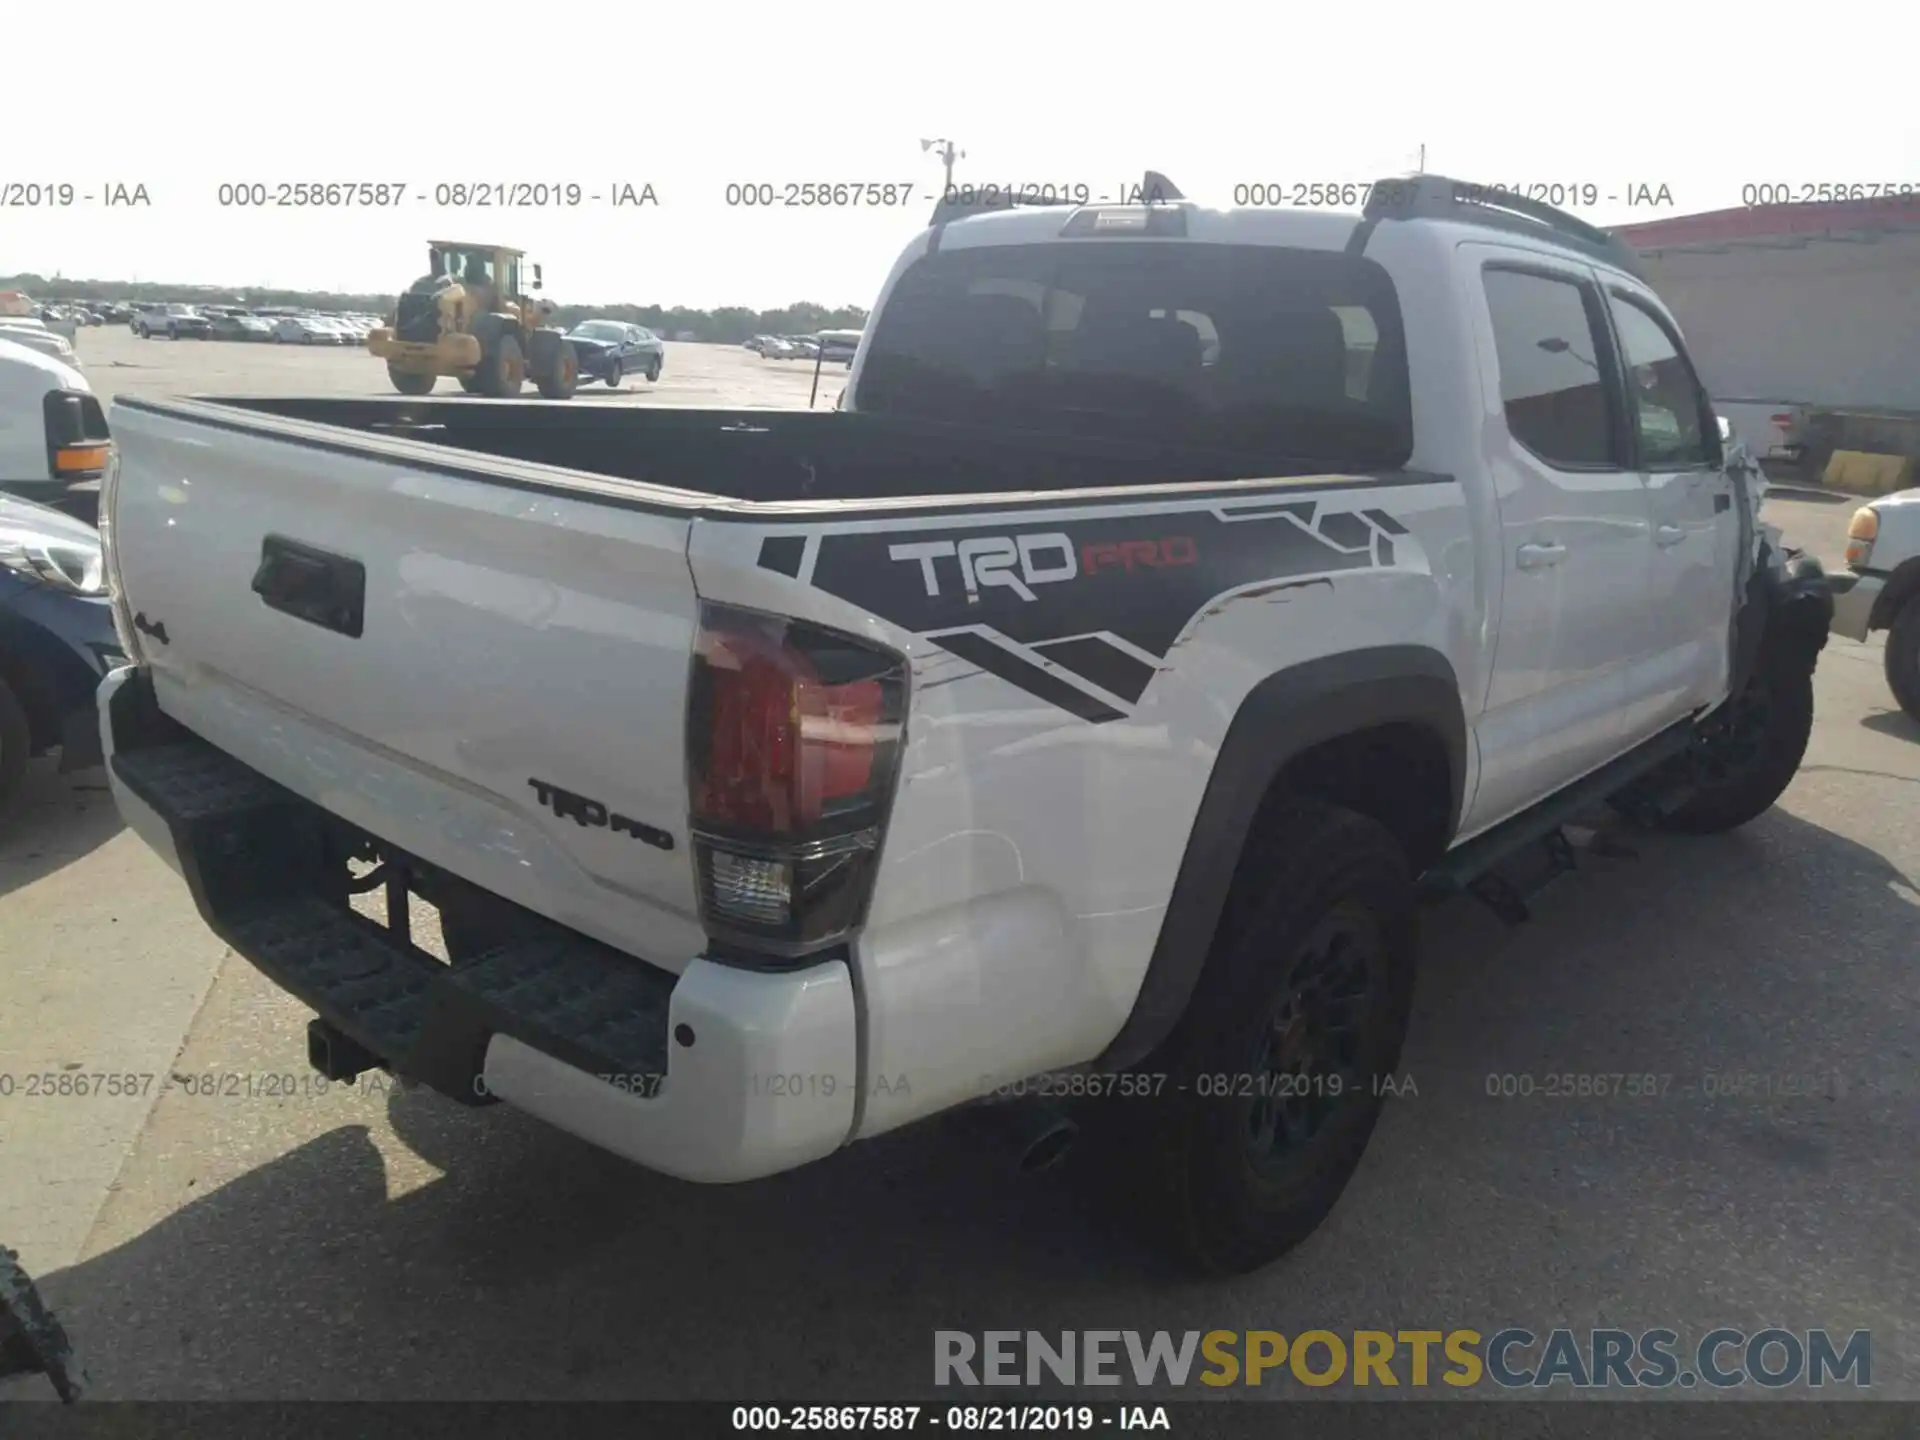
[717,1074]
[1853,600]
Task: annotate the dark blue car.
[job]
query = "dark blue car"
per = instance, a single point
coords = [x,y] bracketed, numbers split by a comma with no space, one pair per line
[56,639]
[611,350]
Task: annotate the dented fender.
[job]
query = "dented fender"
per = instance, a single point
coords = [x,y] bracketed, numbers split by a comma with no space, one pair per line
[1786,614]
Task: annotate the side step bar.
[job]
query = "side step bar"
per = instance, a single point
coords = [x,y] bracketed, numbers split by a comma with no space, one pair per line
[1462,870]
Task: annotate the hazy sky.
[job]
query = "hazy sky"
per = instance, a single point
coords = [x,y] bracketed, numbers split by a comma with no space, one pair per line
[182,97]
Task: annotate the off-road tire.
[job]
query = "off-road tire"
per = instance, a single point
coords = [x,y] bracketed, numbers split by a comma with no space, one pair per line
[470,383]
[1750,750]
[409,382]
[557,374]
[502,369]
[1191,1143]
[1903,657]
[16,743]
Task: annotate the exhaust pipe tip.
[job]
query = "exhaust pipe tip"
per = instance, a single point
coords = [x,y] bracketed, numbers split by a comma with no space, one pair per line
[1050,1147]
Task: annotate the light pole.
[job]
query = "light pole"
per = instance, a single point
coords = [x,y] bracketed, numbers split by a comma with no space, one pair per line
[944,149]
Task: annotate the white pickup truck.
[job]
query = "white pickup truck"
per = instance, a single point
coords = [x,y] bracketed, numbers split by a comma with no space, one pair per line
[1080,710]
[1881,589]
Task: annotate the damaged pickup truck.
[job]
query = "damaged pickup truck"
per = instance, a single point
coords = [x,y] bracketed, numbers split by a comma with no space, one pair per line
[1175,596]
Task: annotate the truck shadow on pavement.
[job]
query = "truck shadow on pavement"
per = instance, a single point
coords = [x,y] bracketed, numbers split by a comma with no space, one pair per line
[536,1266]
[1896,723]
[56,820]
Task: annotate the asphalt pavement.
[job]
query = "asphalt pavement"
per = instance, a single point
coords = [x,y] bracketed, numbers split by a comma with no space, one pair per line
[224,1230]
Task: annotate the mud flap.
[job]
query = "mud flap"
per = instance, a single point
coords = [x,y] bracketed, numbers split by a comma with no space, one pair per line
[80,742]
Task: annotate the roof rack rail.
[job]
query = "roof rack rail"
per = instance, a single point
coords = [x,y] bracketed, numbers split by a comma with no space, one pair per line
[959,202]
[1437,197]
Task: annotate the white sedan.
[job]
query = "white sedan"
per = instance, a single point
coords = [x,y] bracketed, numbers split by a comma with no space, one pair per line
[301,330]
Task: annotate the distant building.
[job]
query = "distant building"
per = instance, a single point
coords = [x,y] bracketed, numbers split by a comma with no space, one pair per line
[1812,305]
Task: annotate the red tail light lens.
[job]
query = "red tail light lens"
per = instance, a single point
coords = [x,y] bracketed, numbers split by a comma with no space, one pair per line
[794,737]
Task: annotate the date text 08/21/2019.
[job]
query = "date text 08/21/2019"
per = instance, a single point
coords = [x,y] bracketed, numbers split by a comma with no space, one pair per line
[442,194]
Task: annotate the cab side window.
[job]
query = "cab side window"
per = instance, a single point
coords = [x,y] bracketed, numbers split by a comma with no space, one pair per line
[1664,399]
[1553,368]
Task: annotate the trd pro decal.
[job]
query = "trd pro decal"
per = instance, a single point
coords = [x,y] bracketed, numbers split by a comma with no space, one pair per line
[1098,601]
[583,811]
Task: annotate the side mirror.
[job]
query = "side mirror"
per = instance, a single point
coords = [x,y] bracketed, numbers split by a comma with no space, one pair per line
[536,277]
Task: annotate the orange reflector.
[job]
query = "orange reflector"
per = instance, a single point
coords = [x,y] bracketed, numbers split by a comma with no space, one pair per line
[70,458]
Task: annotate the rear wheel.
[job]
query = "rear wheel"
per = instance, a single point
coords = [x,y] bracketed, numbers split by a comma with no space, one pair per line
[503,369]
[470,384]
[1903,657]
[1271,1083]
[409,382]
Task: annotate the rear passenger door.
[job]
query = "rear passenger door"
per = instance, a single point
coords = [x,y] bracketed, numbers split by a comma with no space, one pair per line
[1676,442]
[1576,554]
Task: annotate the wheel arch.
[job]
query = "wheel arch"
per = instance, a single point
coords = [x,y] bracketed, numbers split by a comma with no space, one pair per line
[1900,587]
[1289,717]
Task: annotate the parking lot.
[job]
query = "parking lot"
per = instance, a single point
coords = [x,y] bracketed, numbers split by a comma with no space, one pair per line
[215,1236]
[119,363]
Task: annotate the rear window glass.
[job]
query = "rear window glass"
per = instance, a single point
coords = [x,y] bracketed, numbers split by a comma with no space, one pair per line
[1296,353]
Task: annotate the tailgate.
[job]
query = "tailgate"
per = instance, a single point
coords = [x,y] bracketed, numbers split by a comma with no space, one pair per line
[488,674]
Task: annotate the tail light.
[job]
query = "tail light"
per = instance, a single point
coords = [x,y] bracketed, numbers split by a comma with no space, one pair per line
[794,747]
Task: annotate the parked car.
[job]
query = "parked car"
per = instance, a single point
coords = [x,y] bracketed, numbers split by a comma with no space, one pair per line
[56,640]
[58,320]
[54,445]
[610,350]
[176,322]
[1194,751]
[773,347]
[839,346]
[36,336]
[239,325]
[303,330]
[1881,590]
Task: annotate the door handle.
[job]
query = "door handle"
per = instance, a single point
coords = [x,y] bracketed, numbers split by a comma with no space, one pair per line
[1668,536]
[1540,556]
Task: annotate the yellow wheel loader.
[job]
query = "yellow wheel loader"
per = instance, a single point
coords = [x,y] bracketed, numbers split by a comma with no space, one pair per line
[471,316]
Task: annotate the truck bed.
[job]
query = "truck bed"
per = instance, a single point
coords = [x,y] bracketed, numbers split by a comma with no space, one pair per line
[763,456]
